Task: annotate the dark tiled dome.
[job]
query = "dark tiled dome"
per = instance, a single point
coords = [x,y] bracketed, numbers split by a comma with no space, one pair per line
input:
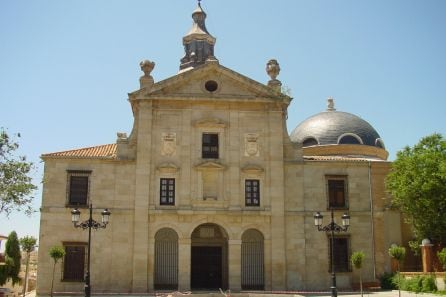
[335,127]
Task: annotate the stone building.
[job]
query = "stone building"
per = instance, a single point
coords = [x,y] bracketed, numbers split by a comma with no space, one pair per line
[210,191]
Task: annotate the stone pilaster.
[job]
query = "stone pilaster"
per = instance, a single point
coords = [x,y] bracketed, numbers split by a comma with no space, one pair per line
[278,257]
[184,262]
[235,250]
[141,204]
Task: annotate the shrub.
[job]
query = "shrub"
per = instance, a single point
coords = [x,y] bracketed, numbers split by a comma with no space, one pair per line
[417,284]
[386,282]
[428,284]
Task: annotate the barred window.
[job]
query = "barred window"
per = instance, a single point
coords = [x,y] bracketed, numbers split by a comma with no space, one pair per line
[78,187]
[337,192]
[341,254]
[252,192]
[74,262]
[167,191]
[209,146]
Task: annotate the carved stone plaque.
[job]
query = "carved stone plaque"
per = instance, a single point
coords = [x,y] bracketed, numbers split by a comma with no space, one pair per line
[252,148]
[168,144]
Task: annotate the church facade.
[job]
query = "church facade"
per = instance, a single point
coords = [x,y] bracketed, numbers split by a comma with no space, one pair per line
[210,191]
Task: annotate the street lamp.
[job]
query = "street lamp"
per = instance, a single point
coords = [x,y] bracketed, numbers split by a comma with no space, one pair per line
[88,224]
[332,227]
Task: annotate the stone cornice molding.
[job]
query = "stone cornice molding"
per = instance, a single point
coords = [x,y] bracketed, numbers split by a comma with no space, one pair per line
[252,169]
[210,123]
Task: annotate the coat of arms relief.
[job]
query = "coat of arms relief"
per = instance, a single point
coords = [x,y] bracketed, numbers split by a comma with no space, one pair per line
[252,147]
[168,143]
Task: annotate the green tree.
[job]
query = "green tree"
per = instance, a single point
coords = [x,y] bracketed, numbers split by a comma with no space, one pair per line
[357,259]
[28,244]
[10,271]
[417,183]
[15,183]
[56,253]
[398,253]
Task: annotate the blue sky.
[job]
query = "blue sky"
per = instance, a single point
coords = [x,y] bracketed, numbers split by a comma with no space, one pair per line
[66,66]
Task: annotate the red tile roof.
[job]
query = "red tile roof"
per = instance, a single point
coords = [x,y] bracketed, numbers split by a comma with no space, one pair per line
[106,151]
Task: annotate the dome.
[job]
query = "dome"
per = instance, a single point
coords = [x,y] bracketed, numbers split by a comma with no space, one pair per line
[335,127]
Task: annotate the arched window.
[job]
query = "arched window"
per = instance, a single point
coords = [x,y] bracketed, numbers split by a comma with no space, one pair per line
[252,260]
[309,142]
[166,259]
[349,139]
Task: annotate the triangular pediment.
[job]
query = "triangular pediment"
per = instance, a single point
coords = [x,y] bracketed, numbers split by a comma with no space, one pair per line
[210,165]
[168,168]
[210,81]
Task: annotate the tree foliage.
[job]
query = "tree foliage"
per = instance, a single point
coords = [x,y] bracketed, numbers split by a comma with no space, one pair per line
[56,253]
[28,244]
[357,258]
[442,257]
[16,187]
[397,252]
[417,183]
[10,271]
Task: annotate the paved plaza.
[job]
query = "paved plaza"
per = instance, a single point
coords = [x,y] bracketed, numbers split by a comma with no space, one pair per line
[393,293]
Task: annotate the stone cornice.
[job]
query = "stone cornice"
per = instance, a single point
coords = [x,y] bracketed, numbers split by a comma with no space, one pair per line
[252,169]
[210,123]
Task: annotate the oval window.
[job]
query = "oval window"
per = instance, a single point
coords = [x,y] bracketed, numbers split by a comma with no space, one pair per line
[211,86]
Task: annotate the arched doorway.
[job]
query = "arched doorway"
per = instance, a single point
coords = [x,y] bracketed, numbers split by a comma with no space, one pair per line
[166,259]
[209,258]
[252,260]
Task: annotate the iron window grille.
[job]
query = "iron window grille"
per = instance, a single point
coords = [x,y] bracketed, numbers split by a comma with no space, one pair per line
[167,191]
[337,192]
[252,192]
[209,147]
[78,188]
[74,262]
[341,254]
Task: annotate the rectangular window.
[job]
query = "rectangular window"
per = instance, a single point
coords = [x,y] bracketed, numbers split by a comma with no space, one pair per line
[78,187]
[74,262]
[167,191]
[209,146]
[341,254]
[337,192]
[252,192]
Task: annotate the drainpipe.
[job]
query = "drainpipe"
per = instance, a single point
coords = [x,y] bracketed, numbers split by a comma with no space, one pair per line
[371,217]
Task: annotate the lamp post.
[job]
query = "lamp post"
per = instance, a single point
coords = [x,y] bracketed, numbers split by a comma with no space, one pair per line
[332,227]
[88,224]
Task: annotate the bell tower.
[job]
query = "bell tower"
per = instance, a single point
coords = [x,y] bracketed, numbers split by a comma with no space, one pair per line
[198,43]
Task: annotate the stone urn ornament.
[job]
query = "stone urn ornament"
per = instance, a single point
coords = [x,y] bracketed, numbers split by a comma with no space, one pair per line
[273,70]
[146,81]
